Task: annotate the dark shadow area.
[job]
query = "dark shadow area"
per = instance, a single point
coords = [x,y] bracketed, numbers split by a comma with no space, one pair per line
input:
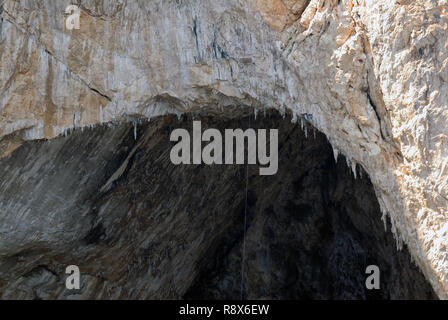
[140,227]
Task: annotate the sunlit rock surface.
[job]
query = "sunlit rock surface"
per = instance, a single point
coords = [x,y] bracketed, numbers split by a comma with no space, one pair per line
[371,75]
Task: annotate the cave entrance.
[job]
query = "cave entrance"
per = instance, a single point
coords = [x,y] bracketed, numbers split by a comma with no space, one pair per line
[110,201]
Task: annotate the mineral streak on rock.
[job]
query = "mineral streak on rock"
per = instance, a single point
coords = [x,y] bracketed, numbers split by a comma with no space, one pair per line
[373,75]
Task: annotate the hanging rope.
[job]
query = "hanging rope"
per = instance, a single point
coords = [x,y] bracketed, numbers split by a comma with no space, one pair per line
[243,259]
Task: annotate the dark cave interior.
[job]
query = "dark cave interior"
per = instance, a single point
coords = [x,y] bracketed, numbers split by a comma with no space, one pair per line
[140,227]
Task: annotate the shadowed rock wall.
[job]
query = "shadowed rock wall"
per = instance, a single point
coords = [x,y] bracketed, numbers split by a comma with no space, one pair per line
[156,230]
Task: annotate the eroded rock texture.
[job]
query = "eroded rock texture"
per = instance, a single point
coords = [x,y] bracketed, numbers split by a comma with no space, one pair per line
[371,75]
[165,231]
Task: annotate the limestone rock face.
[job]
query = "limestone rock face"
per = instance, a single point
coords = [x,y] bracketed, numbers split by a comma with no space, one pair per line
[371,75]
